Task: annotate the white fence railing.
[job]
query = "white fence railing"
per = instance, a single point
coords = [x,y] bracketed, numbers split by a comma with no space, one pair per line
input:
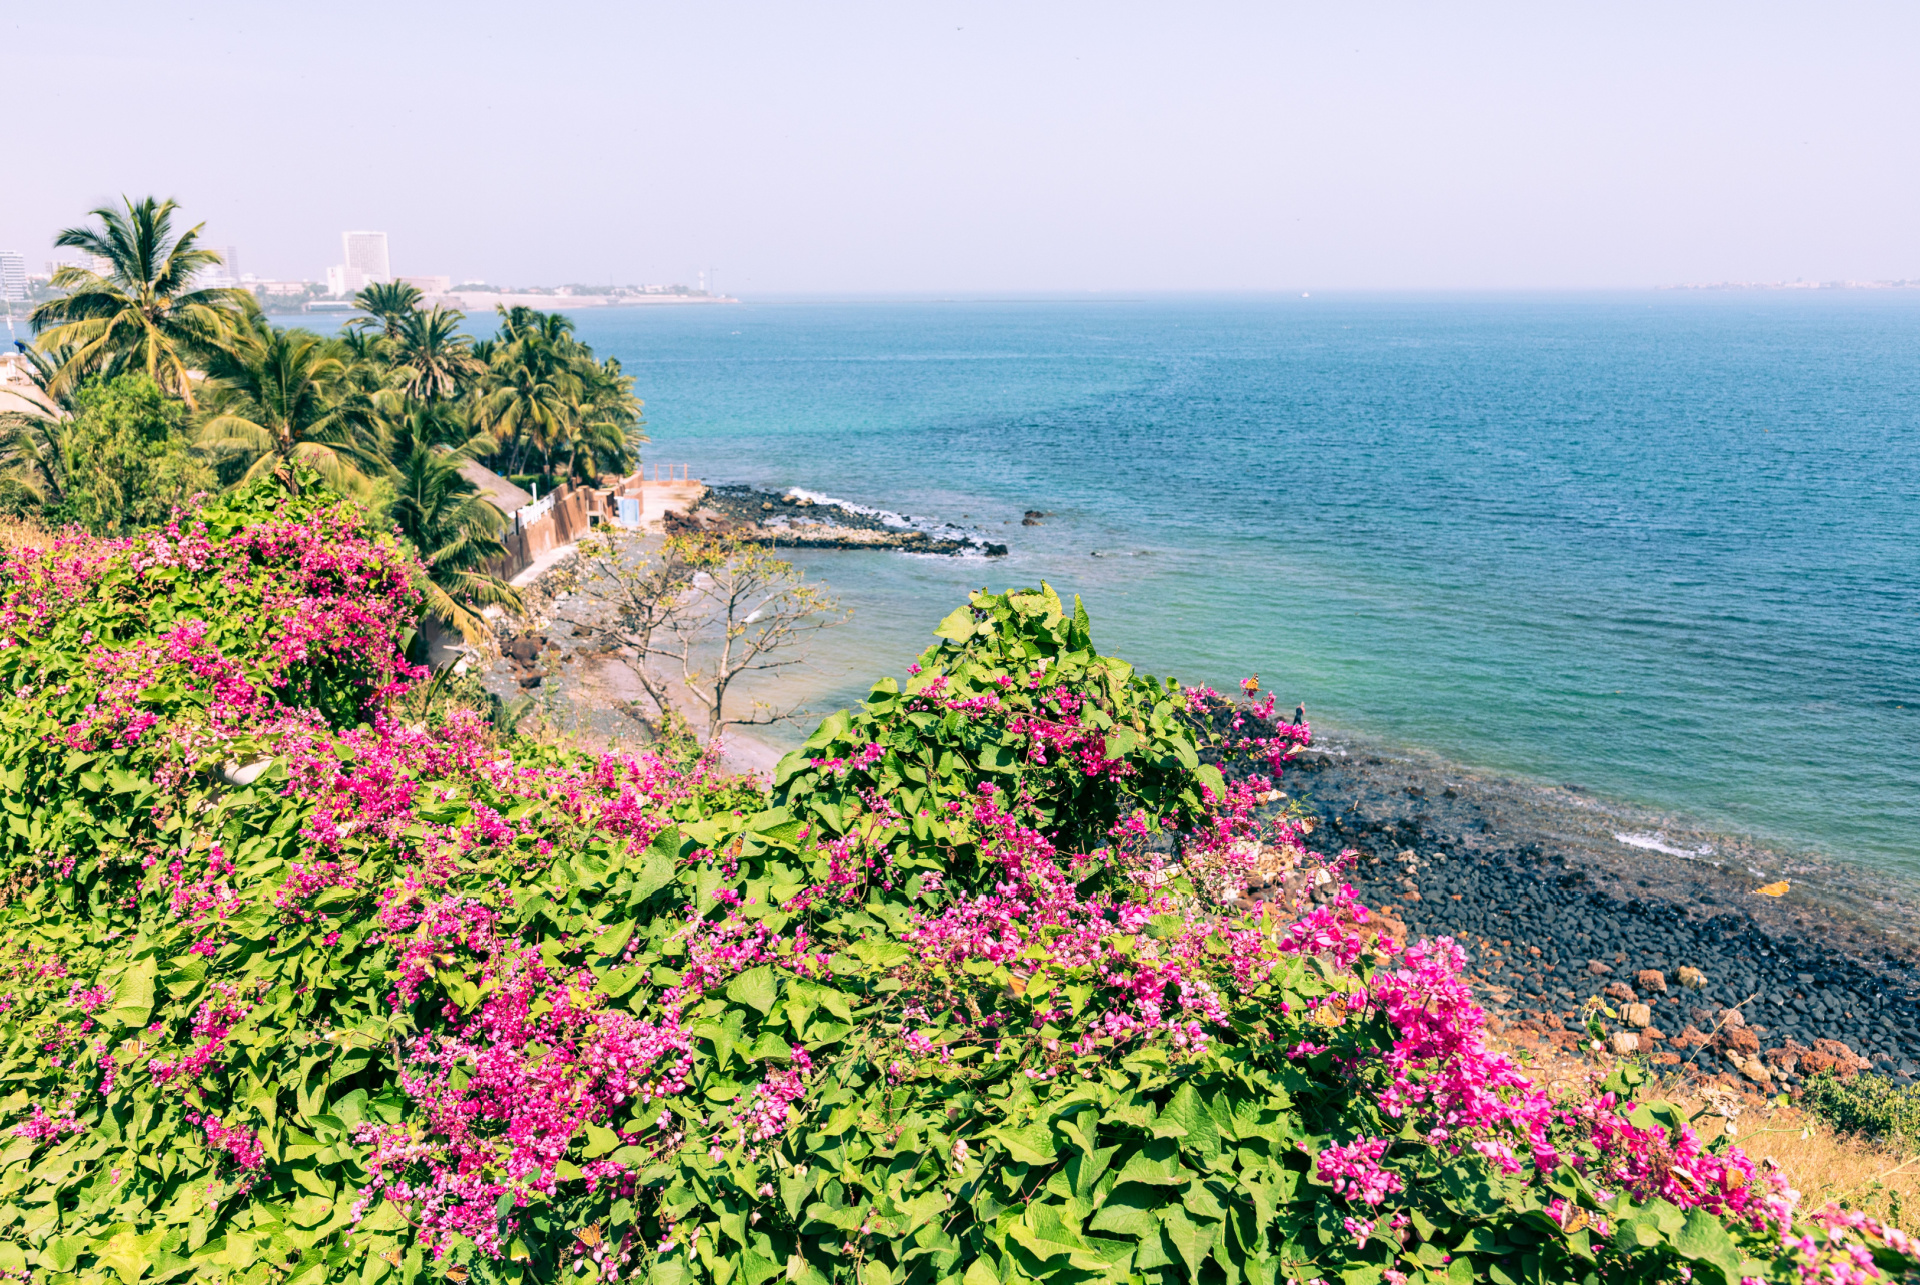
[527,514]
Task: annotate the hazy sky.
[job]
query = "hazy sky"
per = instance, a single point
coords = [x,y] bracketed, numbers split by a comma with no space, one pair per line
[1030,146]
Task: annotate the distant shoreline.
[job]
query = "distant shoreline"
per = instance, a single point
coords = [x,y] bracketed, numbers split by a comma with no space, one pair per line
[482,302]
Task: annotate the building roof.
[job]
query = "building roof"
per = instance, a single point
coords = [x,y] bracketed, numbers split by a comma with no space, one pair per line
[503,493]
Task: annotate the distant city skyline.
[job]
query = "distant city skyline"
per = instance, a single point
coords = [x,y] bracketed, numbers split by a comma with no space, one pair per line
[365,262]
[994,146]
[13,276]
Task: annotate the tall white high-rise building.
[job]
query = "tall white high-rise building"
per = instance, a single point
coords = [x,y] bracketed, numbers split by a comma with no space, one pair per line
[13,276]
[366,258]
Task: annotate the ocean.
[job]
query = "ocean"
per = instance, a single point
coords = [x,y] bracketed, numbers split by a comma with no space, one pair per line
[1663,547]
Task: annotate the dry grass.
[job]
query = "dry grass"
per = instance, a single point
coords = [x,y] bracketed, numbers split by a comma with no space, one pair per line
[1821,1164]
[23,533]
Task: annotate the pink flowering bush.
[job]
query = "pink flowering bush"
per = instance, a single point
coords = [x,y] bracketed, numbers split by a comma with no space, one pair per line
[310,980]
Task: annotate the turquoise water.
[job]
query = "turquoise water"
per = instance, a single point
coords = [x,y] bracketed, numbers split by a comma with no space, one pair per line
[1665,546]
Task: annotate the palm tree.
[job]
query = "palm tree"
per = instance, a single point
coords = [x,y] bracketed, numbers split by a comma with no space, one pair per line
[386,304]
[610,426]
[142,313]
[432,359]
[277,397]
[455,530]
[32,460]
[530,392]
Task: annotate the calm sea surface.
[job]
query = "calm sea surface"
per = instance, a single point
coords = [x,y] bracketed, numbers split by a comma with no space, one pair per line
[1665,546]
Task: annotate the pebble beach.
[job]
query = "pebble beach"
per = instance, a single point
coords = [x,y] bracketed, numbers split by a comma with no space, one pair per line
[1678,958]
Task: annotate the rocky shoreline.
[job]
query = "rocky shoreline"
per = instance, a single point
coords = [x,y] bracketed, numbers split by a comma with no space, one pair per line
[1695,965]
[795,519]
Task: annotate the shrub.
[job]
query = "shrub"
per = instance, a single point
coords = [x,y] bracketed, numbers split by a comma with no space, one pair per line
[128,460]
[1873,1106]
[308,983]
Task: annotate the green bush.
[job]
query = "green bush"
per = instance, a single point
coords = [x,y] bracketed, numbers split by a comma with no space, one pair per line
[309,981]
[1872,1106]
[127,460]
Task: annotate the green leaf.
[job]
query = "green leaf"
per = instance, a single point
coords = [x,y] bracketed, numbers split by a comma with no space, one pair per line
[770,1047]
[754,987]
[957,626]
[1705,1239]
[614,940]
[1130,1211]
[1209,776]
[1184,1117]
[1193,1240]
[132,1002]
[1031,1145]
[1157,1165]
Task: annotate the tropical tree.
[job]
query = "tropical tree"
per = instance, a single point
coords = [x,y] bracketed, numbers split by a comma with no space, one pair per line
[544,396]
[278,397]
[117,463]
[431,359]
[610,423]
[386,303]
[451,525]
[142,313]
[530,393]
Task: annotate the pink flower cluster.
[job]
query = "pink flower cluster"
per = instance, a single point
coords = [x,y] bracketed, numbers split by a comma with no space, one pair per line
[239,1143]
[765,1117]
[211,1026]
[42,1126]
[1355,1172]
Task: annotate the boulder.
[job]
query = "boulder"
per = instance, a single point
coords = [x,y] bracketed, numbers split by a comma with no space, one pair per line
[1736,1039]
[1692,978]
[1638,1016]
[1597,968]
[1832,1055]
[1651,981]
[1625,1042]
[1620,993]
[1731,1017]
[1784,1059]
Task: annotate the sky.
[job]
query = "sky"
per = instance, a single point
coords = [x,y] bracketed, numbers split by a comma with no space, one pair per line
[981,147]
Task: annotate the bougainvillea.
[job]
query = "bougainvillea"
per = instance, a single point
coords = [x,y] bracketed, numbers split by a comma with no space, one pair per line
[309,979]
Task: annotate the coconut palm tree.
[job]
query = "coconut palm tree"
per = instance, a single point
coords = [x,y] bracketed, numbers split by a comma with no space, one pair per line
[33,464]
[33,467]
[610,428]
[432,359]
[143,312]
[276,395]
[455,529]
[386,303]
[529,395]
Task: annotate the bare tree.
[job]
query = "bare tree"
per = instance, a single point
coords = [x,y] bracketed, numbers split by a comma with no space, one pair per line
[696,617]
[744,612]
[626,597]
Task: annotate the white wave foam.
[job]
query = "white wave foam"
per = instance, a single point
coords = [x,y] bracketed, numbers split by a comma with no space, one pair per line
[887,517]
[1657,842]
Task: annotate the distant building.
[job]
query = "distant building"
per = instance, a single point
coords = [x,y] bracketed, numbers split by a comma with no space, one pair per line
[366,254]
[428,285]
[367,257]
[13,276]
